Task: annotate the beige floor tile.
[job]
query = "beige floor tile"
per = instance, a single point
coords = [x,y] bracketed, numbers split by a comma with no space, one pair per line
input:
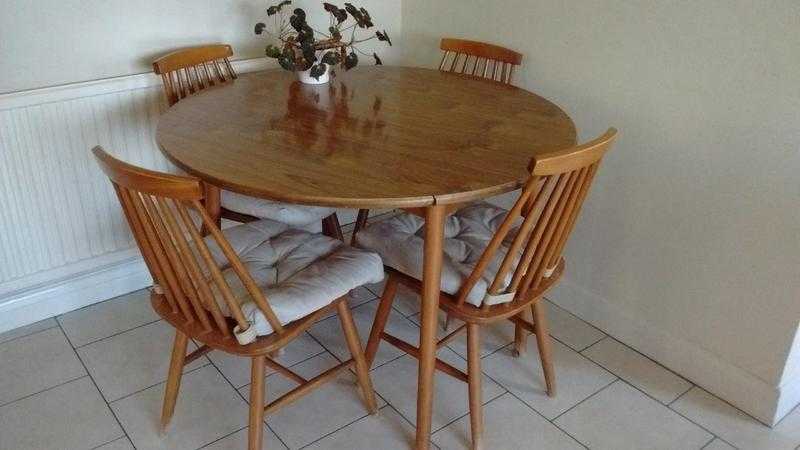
[638,370]
[326,409]
[119,444]
[134,360]
[386,430]
[718,444]
[238,441]
[736,427]
[208,409]
[576,377]
[508,424]
[36,362]
[237,368]
[621,417]
[406,301]
[70,416]
[108,318]
[329,333]
[28,329]
[397,383]
[571,330]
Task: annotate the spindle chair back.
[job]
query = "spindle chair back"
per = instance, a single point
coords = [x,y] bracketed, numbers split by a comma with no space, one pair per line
[472,58]
[533,235]
[190,70]
[479,59]
[167,218]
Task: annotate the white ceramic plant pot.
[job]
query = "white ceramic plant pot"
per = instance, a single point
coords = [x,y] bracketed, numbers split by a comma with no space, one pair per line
[306,78]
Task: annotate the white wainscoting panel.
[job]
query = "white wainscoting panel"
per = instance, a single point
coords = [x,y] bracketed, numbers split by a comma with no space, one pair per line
[63,239]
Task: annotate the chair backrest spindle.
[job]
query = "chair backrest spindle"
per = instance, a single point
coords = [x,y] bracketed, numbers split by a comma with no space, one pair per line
[186,72]
[502,59]
[548,207]
[156,206]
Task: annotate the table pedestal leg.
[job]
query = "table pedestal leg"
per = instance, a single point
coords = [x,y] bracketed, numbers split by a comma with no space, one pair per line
[431,279]
[213,204]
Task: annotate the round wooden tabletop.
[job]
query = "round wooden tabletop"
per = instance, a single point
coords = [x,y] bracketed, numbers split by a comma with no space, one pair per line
[375,137]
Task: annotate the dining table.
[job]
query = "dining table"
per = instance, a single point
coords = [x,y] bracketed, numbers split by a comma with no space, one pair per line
[382,137]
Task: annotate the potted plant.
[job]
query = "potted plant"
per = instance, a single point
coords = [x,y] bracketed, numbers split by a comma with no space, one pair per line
[314,54]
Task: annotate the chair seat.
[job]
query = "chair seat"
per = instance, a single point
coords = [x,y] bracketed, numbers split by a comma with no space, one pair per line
[400,242]
[299,272]
[294,215]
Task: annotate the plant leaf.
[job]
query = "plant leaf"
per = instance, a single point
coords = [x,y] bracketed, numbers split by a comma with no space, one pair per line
[298,20]
[318,70]
[260,27]
[335,33]
[383,36]
[309,52]
[286,63]
[356,14]
[331,58]
[272,10]
[350,61]
[378,61]
[273,51]
[367,18]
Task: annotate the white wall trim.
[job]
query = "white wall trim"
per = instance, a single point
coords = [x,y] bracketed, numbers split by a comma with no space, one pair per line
[751,394]
[91,88]
[73,293]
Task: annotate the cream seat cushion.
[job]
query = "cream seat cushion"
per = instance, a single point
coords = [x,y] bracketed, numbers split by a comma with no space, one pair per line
[308,217]
[299,272]
[400,241]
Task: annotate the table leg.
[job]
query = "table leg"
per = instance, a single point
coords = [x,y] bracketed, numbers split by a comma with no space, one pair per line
[213,204]
[431,279]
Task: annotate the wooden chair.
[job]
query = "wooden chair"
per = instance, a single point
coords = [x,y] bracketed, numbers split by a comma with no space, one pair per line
[514,263]
[200,282]
[471,58]
[188,71]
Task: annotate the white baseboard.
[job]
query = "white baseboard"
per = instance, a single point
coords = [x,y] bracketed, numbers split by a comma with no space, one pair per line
[764,402]
[76,292]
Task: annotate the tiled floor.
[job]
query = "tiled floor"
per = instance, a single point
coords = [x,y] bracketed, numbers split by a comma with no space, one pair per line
[94,378]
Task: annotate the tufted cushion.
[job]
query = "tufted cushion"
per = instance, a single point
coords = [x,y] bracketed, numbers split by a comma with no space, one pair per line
[400,240]
[295,215]
[299,272]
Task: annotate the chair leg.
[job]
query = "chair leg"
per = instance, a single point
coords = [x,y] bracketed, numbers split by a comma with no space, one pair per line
[545,349]
[173,378]
[520,337]
[381,316]
[354,344]
[474,378]
[255,433]
[361,222]
[332,228]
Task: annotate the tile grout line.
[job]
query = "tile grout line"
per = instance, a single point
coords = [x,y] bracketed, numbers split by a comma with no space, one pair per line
[138,391]
[111,441]
[587,398]
[548,420]
[29,334]
[643,356]
[43,390]
[668,406]
[104,338]
[94,383]
[592,344]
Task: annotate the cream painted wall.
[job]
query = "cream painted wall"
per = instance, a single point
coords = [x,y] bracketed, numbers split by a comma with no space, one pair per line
[693,227]
[53,42]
